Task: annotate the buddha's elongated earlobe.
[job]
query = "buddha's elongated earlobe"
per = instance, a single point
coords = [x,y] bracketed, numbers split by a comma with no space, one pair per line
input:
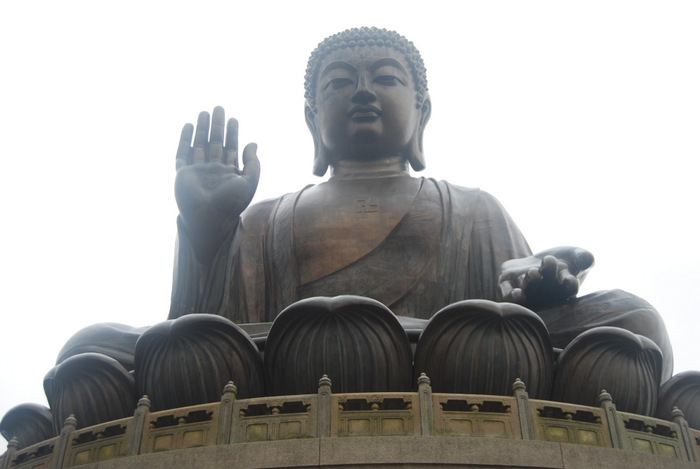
[415,154]
[320,158]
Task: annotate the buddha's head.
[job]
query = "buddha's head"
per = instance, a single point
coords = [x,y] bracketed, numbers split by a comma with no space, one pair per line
[366,98]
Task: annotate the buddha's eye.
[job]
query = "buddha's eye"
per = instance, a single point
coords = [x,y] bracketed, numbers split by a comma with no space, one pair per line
[388,80]
[338,83]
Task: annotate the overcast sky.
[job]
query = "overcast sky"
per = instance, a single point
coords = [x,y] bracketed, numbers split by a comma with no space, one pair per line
[582,118]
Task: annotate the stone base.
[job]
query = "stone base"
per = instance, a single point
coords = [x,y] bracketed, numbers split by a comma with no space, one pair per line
[394,452]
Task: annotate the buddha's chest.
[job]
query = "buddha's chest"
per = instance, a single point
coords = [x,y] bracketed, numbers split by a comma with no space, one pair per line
[339,222]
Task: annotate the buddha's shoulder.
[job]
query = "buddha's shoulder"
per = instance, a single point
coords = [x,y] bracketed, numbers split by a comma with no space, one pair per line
[259,213]
[474,196]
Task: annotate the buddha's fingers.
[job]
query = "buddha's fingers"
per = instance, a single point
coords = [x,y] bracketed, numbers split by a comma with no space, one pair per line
[509,290]
[549,268]
[231,147]
[583,260]
[570,286]
[251,164]
[201,137]
[218,121]
[516,296]
[184,149]
[531,279]
[216,138]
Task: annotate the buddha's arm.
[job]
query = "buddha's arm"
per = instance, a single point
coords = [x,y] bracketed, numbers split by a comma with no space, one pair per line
[478,236]
[232,284]
[211,193]
[502,266]
[198,287]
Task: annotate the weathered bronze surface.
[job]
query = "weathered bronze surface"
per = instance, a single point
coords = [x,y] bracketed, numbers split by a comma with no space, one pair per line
[414,244]
[356,341]
[481,347]
[682,392]
[188,360]
[91,386]
[28,423]
[111,339]
[625,364]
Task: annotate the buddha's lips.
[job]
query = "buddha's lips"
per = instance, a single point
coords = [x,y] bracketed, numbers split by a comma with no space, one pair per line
[365,113]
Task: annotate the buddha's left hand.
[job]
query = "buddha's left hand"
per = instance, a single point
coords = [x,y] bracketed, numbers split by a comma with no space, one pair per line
[547,278]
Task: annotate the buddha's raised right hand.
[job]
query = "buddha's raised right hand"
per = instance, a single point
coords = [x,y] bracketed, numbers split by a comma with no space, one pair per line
[210,190]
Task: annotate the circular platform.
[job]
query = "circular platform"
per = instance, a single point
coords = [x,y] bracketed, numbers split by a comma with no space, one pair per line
[389,429]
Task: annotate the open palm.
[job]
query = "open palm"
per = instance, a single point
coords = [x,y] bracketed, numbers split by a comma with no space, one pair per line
[210,189]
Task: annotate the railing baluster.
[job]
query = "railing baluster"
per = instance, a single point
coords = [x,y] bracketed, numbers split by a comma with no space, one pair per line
[686,441]
[226,414]
[615,425]
[522,402]
[143,408]
[425,400]
[324,407]
[64,441]
[10,453]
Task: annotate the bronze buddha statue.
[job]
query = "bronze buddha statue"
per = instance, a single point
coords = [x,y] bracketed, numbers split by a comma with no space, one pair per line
[371,229]
[407,261]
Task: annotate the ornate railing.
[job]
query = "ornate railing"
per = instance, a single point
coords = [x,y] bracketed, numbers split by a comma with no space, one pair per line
[326,414]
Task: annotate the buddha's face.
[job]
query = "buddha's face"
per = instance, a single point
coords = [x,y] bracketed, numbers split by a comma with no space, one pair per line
[365,104]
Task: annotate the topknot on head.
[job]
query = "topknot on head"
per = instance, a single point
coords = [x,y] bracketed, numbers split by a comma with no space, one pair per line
[366,37]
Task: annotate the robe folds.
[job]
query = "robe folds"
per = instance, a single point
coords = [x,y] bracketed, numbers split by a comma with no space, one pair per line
[448,246]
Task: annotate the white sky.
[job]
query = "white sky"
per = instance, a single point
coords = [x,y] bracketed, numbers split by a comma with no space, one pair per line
[583,118]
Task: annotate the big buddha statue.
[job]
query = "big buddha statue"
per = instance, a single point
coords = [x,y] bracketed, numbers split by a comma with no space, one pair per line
[372,276]
[371,229]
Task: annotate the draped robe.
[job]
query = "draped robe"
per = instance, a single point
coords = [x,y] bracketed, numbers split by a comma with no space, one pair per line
[447,245]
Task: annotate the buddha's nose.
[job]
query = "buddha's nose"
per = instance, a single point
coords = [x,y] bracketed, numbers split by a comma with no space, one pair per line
[363,92]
